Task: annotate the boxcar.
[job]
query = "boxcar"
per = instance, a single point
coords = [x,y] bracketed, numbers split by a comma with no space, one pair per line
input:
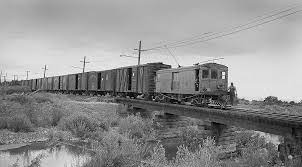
[39,85]
[138,79]
[74,82]
[50,83]
[107,80]
[84,82]
[92,81]
[56,83]
[65,82]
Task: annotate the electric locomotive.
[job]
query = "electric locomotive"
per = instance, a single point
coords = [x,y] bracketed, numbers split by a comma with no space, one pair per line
[200,85]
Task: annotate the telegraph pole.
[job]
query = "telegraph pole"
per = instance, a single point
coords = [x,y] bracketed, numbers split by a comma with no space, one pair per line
[84,63]
[44,70]
[139,52]
[27,74]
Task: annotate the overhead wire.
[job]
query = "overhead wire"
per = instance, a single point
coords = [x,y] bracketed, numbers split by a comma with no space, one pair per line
[233,32]
[210,34]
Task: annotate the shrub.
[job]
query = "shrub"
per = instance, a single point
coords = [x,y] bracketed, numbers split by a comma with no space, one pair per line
[7,90]
[57,114]
[115,150]
[206,156]
[254,150]
[22,99]
[79,124]
[191,137]
[271,100]
[137,127]
[43,98]
[3,122]
[19,123]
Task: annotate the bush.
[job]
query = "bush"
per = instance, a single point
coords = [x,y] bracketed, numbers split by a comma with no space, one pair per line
[22,99]
[115,150]
[7,90]
[79,124]
[205,156]
[191,137]
[19,123]
[271,100]
[254,150]
[137,127]
[43,98]
[3,122]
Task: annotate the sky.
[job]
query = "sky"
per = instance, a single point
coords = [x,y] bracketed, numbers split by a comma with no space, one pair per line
[263,61]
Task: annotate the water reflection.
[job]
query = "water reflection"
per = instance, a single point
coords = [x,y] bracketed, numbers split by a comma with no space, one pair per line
[46,155]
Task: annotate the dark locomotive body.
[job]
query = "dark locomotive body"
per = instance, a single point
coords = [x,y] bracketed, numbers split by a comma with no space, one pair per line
[202,85]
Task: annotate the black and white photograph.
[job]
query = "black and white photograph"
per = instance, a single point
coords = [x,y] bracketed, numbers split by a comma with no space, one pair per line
[150,83]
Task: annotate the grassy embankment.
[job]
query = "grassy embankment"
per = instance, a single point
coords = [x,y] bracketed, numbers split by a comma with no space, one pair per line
[119,141]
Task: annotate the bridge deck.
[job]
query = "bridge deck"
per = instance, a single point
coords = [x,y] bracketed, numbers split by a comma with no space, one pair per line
[270,122]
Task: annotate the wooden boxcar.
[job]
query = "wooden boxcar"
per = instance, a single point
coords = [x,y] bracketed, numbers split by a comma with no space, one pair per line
[56,83]
[34,84]
[84,82]
[74,82]
[138,79]
[107,82]
[50,83]
[92,81]
[65,82]
[44,83]
[39,85]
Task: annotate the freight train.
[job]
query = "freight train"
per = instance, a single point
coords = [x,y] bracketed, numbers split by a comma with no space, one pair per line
[200,85]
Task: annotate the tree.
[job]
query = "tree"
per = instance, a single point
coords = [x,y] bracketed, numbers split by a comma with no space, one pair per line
[271,100]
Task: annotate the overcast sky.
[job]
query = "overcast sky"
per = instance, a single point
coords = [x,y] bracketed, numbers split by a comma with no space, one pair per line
[262,61]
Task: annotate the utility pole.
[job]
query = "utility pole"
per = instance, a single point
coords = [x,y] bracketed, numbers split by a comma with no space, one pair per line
[139,52]
[84,63]
[45,70]
[27,74]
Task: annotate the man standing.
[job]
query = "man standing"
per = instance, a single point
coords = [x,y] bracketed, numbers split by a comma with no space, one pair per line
[233,93]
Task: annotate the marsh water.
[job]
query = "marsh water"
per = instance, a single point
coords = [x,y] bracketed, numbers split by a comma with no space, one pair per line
[58,155]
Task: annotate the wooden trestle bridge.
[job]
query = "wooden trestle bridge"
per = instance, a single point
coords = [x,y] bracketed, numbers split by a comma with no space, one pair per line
[286,125]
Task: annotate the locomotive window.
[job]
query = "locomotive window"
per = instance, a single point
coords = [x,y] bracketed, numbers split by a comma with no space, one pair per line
[214,74]
[107,76]
[205,73]
[223,75]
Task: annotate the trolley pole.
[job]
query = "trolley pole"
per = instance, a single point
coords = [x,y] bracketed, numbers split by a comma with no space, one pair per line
[84,63]
[45,70]
[27,74]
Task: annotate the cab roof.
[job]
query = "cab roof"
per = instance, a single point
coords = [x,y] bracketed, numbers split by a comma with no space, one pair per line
[208,65]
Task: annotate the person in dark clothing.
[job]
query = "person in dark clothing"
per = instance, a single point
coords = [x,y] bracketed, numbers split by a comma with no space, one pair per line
[233,93]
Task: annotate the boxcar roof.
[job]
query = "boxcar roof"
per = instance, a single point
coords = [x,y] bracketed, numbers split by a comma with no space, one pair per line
[141,65]
[208,65]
